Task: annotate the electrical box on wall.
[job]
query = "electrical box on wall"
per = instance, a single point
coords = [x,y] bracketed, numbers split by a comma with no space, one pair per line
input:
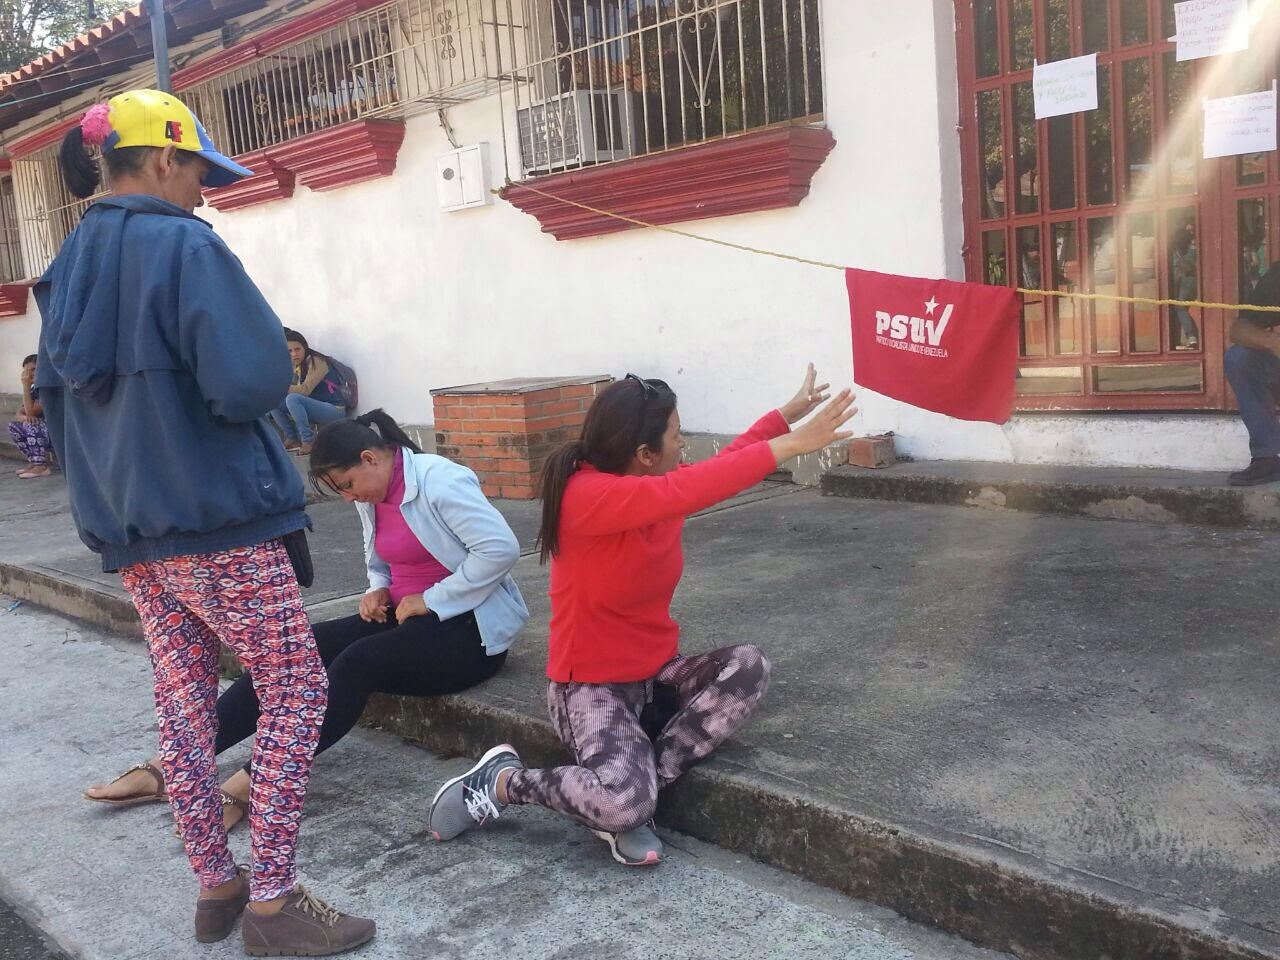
[462,178]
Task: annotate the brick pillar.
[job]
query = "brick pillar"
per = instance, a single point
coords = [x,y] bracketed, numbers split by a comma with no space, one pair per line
[504,430]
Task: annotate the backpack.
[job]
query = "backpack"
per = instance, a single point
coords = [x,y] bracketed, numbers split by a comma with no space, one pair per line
[349,390]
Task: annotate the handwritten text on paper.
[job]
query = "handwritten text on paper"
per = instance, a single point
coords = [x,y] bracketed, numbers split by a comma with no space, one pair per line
[1243,124]
[1065,86]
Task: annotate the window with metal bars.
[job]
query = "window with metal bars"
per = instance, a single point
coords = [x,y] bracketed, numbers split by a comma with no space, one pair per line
[396,59]
[1117,200]
[402,58]
[11,263]
[613,79]
[342,74]
[46,210]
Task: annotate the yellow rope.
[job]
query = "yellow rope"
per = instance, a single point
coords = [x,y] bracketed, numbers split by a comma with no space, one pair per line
[679,233]
[1204,304]
[1207,304]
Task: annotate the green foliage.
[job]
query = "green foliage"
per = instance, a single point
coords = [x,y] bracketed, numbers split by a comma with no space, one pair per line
[29,28]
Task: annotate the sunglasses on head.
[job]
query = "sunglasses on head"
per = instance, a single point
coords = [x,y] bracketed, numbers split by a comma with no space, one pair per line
[647,387]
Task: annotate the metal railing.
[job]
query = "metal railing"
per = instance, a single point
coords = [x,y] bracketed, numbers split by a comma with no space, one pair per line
[401,58]
[343,74]
[448,50]
[594,81]
[11,267]
[47,212]
[612,79]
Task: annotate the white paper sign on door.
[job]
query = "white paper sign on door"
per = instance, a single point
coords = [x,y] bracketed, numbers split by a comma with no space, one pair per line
[1243,124]
[1065,86]
[1209,27]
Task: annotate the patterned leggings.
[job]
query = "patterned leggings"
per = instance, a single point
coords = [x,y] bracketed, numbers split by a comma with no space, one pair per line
[615,787]
[248,599]
[32,438]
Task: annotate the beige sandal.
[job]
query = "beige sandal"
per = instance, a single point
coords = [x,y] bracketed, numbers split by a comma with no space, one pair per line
[158,795]
[229,801]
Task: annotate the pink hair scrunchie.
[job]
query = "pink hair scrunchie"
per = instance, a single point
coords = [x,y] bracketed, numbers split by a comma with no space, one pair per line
[95,125]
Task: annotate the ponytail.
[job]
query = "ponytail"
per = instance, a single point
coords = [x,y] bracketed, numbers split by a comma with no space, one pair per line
[79,169]
[339,444]
[390,431]
[557,470]
[624,416]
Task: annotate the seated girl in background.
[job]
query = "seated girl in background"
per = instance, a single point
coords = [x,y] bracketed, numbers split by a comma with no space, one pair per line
[315,398]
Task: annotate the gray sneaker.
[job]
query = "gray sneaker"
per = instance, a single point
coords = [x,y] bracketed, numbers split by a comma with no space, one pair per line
[472,799]
[637,847]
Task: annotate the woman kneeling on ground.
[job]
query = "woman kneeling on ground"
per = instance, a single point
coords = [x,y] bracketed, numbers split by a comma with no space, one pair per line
[441,609]
[316,396]
[635,713]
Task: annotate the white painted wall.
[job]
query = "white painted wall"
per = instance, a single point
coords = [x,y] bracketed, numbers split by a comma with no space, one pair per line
[18,336]
[415,298]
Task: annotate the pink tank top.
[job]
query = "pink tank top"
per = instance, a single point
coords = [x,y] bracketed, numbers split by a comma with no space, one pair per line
[413,568]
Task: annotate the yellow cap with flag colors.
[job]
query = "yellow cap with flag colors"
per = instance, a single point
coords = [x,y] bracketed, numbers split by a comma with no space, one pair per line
[152,118]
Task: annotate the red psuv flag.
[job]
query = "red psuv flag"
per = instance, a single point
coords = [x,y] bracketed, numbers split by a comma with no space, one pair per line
[938,344]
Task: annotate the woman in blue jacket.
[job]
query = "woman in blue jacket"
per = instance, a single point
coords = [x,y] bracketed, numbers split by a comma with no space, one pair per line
[158,361]
[441,609]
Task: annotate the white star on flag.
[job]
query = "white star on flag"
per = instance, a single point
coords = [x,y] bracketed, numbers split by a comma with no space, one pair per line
[931,305]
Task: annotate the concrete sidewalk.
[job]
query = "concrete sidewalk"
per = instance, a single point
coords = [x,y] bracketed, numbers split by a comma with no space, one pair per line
[1101,493]
[108,884]
[1049,735]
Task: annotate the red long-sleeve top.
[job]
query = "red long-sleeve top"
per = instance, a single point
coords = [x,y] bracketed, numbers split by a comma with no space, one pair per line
[620,558]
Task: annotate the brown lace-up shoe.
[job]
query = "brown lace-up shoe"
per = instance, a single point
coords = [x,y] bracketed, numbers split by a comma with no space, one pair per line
[216,916]
[305,926]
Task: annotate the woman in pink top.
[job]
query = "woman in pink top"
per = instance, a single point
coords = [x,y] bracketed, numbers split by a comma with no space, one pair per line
[440,612]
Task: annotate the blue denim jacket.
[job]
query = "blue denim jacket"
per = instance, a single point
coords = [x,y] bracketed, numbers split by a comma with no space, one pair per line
[158,358]
[450,515]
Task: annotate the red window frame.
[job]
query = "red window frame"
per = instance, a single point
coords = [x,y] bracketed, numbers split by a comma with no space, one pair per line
[1215,204]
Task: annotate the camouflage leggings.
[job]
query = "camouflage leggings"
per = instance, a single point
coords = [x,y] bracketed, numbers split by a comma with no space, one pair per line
[689,708]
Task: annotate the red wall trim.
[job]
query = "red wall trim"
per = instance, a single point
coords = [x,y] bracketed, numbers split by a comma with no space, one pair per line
[296,29]
[756,171]
[269,182]
[13,299]
[43,138]
[349,153]
[344,154]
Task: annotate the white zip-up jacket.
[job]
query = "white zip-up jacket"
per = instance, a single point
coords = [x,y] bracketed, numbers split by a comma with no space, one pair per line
[450,515]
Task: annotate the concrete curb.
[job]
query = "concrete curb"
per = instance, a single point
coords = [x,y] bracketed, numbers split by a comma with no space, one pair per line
[988,893]
[1250,508]
[72,596]
[984,892]
[100,605]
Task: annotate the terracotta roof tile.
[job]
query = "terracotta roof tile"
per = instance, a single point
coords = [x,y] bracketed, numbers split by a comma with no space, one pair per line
[86,41]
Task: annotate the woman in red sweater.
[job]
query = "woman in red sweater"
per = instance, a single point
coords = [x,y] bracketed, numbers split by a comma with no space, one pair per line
[635,713]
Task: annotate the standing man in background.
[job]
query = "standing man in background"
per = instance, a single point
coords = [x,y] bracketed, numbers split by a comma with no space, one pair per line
[1253,368]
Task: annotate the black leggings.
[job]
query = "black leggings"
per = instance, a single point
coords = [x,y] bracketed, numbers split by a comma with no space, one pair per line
[421,658]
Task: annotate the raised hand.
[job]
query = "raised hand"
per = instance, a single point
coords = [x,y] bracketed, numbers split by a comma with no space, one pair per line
[822,431]
[806,399]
